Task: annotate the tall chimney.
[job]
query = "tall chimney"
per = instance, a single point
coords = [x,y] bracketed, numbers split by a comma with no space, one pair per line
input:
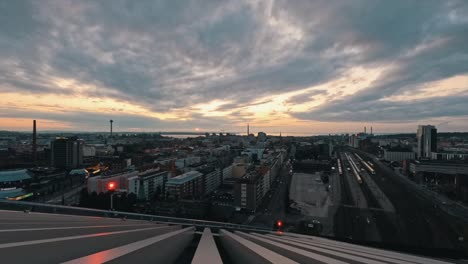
[111,121]
[34,146]
[365,130]
[371,130]
[248,130]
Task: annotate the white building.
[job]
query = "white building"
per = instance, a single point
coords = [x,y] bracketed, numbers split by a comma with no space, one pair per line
[449,156]
[151,182]
[251,152]
[89,151]
[227,172]
[212,181]
[184,162]
[127,181]
[353,141]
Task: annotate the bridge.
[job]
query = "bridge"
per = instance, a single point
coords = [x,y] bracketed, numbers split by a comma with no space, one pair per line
[41,233]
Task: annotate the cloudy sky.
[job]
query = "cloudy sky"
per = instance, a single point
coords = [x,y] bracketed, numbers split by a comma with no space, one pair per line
[286,65]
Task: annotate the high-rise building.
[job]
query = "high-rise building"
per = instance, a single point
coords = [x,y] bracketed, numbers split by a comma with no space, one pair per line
[427,141]
[67,153]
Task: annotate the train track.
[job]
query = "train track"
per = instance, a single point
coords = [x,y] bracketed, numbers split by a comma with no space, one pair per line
[346,197]
[420,223]
[372,202]
[346,224]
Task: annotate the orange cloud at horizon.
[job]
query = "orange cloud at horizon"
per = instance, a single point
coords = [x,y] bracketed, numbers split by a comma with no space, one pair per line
[7,123]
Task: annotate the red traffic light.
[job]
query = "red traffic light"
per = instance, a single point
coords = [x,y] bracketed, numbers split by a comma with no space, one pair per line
[111,186]
[279,223]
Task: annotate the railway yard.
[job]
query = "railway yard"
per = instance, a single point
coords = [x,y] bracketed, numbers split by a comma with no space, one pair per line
[373,206]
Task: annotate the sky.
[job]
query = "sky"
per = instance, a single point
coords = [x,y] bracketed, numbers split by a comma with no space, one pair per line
[287,66]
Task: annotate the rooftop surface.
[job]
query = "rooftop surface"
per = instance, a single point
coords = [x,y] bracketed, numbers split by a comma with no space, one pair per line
[11,193]
[14,175]
[183,178]
[38,237]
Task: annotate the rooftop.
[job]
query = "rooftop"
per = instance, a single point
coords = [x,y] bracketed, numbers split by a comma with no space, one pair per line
[151,172]
[399,149]
[147,241]
[454,163]
[188,176]
[14,175]
[79,171]
[11,193]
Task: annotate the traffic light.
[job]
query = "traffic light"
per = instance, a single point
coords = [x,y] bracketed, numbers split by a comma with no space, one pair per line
[111,186]
[278,225]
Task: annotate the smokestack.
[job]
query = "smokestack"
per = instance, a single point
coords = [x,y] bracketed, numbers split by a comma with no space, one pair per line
[111,121]
[248,130]
[365,130]
[34,143]
[371,130]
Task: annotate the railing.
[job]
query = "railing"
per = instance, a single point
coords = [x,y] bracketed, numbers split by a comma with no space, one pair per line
[61,209]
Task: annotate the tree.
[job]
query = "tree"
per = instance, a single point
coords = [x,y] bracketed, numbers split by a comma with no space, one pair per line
[157,193]
[101,201]
[93,200]
[84,198]
[122,202]
[132,199]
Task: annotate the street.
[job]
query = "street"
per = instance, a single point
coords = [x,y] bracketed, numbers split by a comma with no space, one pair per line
[273,208]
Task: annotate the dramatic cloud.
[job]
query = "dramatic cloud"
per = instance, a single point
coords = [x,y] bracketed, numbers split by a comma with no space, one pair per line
[297,66]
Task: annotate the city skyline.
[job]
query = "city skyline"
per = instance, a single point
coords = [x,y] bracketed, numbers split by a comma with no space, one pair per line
[297,68]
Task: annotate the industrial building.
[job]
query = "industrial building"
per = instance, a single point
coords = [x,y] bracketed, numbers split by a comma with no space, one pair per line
[67,153]
[398,155]
[444,176]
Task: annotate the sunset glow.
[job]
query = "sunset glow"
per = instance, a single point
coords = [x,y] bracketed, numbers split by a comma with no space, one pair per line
[277,66]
